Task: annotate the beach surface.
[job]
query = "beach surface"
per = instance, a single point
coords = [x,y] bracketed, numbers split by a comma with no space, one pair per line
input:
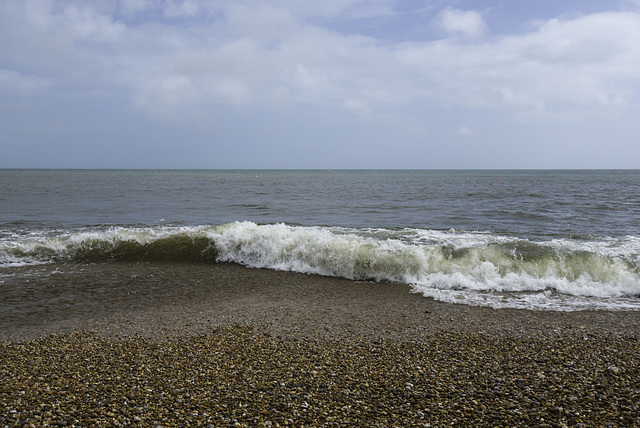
[162,344]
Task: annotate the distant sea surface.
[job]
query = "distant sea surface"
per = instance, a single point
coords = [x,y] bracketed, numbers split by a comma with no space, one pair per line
[543,240]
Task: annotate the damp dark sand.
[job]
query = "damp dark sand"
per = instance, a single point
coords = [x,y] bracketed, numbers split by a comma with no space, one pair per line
[221,345]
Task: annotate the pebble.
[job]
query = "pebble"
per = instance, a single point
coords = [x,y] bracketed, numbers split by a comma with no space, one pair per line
[242,376]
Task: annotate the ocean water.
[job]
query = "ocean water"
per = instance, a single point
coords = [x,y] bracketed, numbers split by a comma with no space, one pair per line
[541,240]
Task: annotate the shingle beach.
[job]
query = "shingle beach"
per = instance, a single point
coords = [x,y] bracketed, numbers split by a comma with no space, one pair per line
[233,346]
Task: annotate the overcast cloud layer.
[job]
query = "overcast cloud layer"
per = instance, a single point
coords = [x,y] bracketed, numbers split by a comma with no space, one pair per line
[332,84]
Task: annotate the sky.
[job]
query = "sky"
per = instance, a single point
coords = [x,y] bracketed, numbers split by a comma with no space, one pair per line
[332,84]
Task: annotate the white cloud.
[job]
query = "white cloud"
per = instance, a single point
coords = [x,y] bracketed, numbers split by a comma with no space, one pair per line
[274,55]
[163,96]
[345,9]
[181,8]
[465,131]
[468,23]
[87,24]
[588,62]
[359,107]
[265,23]
[130,8]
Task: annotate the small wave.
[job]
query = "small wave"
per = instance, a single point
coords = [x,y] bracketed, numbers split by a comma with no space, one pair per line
[124,244]
[477,268]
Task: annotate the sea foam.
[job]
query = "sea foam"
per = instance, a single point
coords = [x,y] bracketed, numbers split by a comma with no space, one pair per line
[476,268]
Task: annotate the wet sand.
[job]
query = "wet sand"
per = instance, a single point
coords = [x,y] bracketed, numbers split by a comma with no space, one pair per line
[223,345]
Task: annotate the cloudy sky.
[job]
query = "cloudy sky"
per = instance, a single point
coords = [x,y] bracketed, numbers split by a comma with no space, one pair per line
[320,84]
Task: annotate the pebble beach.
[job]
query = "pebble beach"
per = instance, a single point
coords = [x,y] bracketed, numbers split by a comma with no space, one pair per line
[232,346]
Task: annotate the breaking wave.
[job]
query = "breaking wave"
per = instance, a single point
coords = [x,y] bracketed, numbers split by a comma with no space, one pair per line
[476,268]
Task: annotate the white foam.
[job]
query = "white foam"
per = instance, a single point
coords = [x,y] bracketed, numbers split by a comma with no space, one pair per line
[484,273]
[476,268]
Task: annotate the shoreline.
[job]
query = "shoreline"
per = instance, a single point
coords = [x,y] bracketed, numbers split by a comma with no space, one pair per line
[250,347]
[161,299]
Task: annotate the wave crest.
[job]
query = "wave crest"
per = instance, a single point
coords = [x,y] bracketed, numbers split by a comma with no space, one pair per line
[122,244]
[462,267]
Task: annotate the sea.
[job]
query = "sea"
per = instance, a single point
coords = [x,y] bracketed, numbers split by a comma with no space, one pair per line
[551,240]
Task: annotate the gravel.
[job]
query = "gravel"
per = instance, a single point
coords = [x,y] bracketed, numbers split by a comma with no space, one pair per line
[354,354]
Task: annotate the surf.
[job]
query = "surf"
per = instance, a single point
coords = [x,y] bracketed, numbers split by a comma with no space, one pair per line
[476,268]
